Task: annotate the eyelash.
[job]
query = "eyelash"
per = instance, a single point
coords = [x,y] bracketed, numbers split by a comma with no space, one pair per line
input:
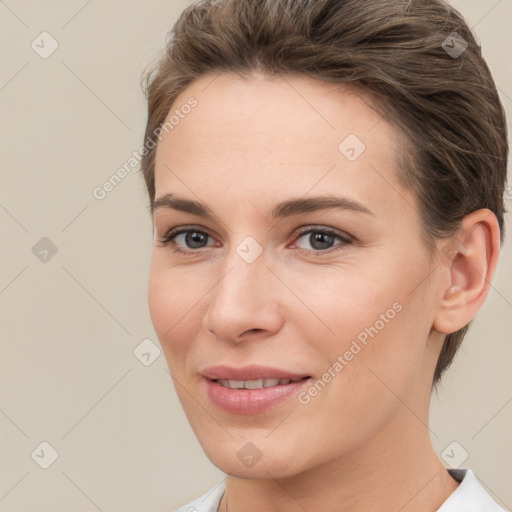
[173,233]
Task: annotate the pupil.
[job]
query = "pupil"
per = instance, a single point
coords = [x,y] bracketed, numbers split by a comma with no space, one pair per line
[194,238]
[321,238]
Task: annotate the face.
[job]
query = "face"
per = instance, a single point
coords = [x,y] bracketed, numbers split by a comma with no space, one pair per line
[304,261]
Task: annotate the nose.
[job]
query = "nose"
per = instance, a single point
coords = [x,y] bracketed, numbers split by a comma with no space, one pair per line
[245,303]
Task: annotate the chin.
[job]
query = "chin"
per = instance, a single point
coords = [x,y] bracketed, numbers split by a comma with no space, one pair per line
[262,470]
[260,459]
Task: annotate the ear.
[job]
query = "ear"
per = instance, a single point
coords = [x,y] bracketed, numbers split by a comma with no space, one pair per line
[470,268]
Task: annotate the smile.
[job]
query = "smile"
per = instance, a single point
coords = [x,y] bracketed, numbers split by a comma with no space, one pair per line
[255,384]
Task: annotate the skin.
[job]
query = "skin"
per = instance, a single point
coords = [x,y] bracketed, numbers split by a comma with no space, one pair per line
[248,145]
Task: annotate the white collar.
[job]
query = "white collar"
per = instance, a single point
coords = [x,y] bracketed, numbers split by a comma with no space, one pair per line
[469,496]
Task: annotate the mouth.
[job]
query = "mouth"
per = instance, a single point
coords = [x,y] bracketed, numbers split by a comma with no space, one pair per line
[251,389]
[251,377]
[256,384]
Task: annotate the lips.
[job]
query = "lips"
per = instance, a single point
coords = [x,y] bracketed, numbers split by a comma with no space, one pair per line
[250,373]
[251,389]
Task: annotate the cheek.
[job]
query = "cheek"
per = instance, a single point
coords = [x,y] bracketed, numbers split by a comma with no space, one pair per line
[174,309]
[353,302]
[161,300]
[379,323]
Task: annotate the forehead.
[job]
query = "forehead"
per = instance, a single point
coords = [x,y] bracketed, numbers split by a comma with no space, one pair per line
[261,132]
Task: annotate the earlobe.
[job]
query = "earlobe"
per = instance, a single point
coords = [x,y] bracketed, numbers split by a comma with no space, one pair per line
[471,265]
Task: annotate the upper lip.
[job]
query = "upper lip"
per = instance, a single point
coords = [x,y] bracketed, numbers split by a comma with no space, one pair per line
[252,372]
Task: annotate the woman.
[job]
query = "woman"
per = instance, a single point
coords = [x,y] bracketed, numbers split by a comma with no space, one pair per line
[326,180]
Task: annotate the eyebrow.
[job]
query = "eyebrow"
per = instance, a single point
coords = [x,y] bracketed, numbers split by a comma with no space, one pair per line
[283,209]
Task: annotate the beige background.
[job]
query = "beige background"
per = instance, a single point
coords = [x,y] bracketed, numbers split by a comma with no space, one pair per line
[70,325]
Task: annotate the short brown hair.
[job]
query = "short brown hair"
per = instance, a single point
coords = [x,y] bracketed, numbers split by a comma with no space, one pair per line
[417,59]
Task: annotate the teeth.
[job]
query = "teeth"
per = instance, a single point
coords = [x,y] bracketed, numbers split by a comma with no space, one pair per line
[253,384]
[235,384]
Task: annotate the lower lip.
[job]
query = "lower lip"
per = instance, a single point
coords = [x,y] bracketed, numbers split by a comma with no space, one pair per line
[251,401]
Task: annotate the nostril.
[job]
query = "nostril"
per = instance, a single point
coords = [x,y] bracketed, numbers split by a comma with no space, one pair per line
[250,330]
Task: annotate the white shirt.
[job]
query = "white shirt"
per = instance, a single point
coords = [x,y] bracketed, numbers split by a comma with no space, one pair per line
[469,496]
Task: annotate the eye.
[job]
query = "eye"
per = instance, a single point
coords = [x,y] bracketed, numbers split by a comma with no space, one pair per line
[190,238]
[322,240]
[187,240]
